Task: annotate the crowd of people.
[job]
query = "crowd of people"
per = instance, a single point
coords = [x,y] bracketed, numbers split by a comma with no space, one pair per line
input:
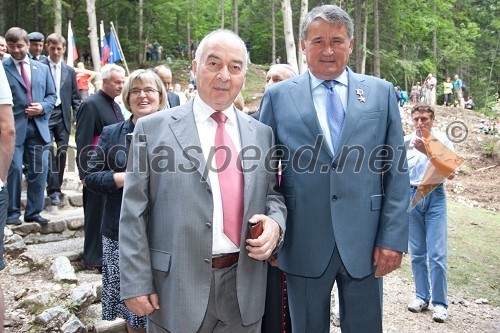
[453,92]
[197,221]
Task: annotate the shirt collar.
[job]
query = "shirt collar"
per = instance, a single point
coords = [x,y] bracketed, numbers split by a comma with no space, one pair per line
[52,63]
[25,60]
[202,111]
[342,79]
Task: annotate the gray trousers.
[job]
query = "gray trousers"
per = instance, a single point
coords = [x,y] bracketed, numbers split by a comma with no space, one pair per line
[223,311]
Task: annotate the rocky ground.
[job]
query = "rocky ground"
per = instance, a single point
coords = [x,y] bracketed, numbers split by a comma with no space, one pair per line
[475,185]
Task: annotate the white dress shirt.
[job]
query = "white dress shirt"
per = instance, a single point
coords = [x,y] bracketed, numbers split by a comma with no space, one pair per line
[57,78]
[206,131]
[26,65]
[319,94]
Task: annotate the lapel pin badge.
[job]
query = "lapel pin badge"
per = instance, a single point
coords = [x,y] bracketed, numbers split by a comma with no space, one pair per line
[34,67]
[361,96]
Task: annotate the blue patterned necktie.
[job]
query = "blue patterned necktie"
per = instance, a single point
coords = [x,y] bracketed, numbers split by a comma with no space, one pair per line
[334,112]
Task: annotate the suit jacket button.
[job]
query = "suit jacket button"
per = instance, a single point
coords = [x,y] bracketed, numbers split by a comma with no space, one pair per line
[334,197]
[208,225]
[334,166]
[207,261]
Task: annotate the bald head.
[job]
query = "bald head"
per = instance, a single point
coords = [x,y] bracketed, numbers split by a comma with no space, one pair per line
[165,75]
[279,72]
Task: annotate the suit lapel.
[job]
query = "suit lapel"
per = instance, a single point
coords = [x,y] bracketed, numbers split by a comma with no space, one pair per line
[248,137]
[305,107]
[186,133]
[64,74]
[354,109]
[11,68]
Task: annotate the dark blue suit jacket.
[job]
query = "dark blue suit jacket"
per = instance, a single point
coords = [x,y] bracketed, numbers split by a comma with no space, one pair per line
[70,97]
[43,92]
[110,156]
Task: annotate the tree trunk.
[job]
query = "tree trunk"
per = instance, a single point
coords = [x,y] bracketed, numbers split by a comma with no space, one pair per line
[291,52]
[2,16]
[273,29]
[434,37]
[57,17]
[304,4]
[141,31]
[235,16]
[358,52]
[376,42]
[94,41]
[222,8]
[365,37]
[188,35]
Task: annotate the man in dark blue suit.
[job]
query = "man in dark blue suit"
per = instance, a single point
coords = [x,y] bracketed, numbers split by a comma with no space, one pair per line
[34,96]
[60,121]
[344,179]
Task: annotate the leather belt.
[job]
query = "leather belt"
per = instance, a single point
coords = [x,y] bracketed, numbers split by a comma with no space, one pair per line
[425,187]
[226,260]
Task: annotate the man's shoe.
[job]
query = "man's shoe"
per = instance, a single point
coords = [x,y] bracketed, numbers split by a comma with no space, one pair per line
[440,314]
[55,199]
[15,221]
[36,218]
[418,305]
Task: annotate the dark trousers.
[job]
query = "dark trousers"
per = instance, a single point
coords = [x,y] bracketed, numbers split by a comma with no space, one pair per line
[37,167]
[93,208]
[360,301]
[58,160]
[276,316]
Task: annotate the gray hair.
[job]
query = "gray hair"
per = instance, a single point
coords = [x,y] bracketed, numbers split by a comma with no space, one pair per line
[108,68]
[230,34]
[144,76]
[329,13]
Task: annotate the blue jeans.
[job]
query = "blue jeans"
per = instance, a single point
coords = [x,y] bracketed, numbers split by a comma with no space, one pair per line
[428,246]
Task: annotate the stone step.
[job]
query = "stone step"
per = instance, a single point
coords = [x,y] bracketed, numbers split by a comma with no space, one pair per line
[116,326]
[71,198]
[72,248]
[63,224]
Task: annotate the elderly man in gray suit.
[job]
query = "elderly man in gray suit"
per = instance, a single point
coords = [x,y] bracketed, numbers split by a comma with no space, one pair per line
[344,179]
[186,257]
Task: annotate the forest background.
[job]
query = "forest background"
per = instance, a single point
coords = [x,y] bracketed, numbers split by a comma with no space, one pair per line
[399,40]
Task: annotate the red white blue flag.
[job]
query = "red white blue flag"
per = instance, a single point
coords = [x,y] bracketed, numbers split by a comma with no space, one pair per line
[72,52]
[104,47]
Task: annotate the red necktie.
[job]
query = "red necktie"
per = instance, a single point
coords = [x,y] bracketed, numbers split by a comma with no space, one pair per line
[230,180]
[26,81]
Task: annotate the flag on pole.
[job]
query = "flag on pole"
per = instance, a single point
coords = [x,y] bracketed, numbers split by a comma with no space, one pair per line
[114,53]
[104,47]
[72,52]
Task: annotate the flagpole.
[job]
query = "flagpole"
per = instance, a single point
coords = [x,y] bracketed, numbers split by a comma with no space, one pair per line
[120,47]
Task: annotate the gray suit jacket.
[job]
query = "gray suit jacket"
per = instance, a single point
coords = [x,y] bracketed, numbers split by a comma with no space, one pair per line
[342,200]
[165,232]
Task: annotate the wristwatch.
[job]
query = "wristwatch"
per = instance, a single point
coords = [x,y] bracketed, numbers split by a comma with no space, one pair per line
[279,243]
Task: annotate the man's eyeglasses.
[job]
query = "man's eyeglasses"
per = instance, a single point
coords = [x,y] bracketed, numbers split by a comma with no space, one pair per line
[147,91]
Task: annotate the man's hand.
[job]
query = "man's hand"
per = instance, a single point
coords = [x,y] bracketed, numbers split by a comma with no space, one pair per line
[262,247]
[33,110]
[143,305]
[386,260]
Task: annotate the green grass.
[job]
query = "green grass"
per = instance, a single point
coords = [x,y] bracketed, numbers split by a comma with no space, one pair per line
[473,253]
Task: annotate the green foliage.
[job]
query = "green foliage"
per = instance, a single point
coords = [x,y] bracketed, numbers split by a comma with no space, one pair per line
[443,37]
